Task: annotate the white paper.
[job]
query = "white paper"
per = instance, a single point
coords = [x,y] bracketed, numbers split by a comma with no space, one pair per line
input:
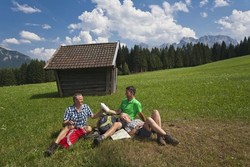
[104,107]
[120,134]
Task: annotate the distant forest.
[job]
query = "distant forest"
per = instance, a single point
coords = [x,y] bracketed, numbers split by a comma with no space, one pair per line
[140,59]
[135,60]
[30,73]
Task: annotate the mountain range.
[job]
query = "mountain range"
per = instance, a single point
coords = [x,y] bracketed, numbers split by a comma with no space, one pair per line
[209,40]
[12,59]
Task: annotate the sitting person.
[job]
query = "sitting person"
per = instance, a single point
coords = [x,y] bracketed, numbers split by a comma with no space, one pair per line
[75,117]
[145,129]
[130,106]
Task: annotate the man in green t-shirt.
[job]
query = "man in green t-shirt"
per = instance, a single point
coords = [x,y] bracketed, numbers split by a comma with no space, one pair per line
[130,106]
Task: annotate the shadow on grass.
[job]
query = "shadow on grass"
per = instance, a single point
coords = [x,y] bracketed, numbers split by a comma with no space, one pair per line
[55,134]
[45,95]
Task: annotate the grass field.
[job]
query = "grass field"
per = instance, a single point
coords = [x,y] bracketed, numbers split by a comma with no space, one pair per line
[207,108]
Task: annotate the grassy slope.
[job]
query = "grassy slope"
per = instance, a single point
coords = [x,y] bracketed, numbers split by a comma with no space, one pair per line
[209,100]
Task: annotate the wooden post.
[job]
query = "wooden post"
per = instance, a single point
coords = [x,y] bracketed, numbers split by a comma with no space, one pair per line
[108,89]
[113,80]
[58,84]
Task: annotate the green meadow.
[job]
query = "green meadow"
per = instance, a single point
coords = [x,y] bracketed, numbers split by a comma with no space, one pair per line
[207,108]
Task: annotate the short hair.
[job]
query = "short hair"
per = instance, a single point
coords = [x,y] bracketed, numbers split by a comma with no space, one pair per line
[131,89]
[76,95]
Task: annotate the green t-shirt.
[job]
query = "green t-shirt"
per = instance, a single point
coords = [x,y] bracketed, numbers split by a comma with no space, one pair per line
[132,108]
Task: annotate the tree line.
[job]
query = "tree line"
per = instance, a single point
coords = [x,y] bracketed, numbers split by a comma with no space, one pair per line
[136,60]
[140,59]
[28,73]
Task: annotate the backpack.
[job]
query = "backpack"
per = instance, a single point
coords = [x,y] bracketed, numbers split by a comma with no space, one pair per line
[105,122]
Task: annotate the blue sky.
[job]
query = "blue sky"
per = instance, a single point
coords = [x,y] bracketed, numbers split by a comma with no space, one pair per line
[38,27]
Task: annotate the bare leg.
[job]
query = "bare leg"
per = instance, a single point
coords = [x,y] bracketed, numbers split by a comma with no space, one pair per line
[111,131]
[54,145]
[150,124]
[63,133]
[154,123]
[156,117]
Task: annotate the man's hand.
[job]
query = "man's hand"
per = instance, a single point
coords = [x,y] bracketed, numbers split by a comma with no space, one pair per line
[111,112]
[132,132]
[68,123]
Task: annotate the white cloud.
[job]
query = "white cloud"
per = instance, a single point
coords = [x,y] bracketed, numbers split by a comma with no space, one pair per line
[31,24]
[188,2]
[15,41]
[46,26]
[85,35]
[180,6]
[236,25]
[203,14]
[30,36]
[113,18]
[11,41]
[24,41]
[203,3]
[42,53]
[24,8]
[221,3]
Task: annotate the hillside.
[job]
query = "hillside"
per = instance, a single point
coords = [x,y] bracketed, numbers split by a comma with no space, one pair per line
[206,107]
[12,59]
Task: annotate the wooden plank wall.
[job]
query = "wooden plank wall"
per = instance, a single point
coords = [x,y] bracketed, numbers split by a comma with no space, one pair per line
[86,81]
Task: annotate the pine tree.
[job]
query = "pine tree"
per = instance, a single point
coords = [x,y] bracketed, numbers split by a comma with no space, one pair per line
[178,58]
[231,51]
[49,76]
[171,54]
[248,45]
[7,77]
[224,54]
[207,53]
[143,64]
[164,58]
[23,74]
[125,69]
[216,52]
[187,55]
[154,63]
[35,72]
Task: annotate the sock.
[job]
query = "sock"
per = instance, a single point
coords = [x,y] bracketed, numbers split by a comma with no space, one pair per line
[103,137]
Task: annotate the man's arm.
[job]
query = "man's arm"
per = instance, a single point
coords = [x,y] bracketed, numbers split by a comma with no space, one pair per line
[142,116]
[97,115]
[67,119]
[117,112]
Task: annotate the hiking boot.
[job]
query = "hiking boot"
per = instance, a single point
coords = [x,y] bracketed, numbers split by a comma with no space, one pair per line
[161,141]
[93,135]
[98,140]
[170,140]
[51,149]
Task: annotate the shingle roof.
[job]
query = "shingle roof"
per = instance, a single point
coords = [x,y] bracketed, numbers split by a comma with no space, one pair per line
[84,56]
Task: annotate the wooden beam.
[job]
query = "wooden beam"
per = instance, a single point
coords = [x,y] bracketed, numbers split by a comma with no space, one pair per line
[113,80]
[58,84]
[108,91]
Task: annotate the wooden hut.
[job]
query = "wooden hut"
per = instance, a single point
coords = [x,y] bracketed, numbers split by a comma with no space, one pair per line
[89,69]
